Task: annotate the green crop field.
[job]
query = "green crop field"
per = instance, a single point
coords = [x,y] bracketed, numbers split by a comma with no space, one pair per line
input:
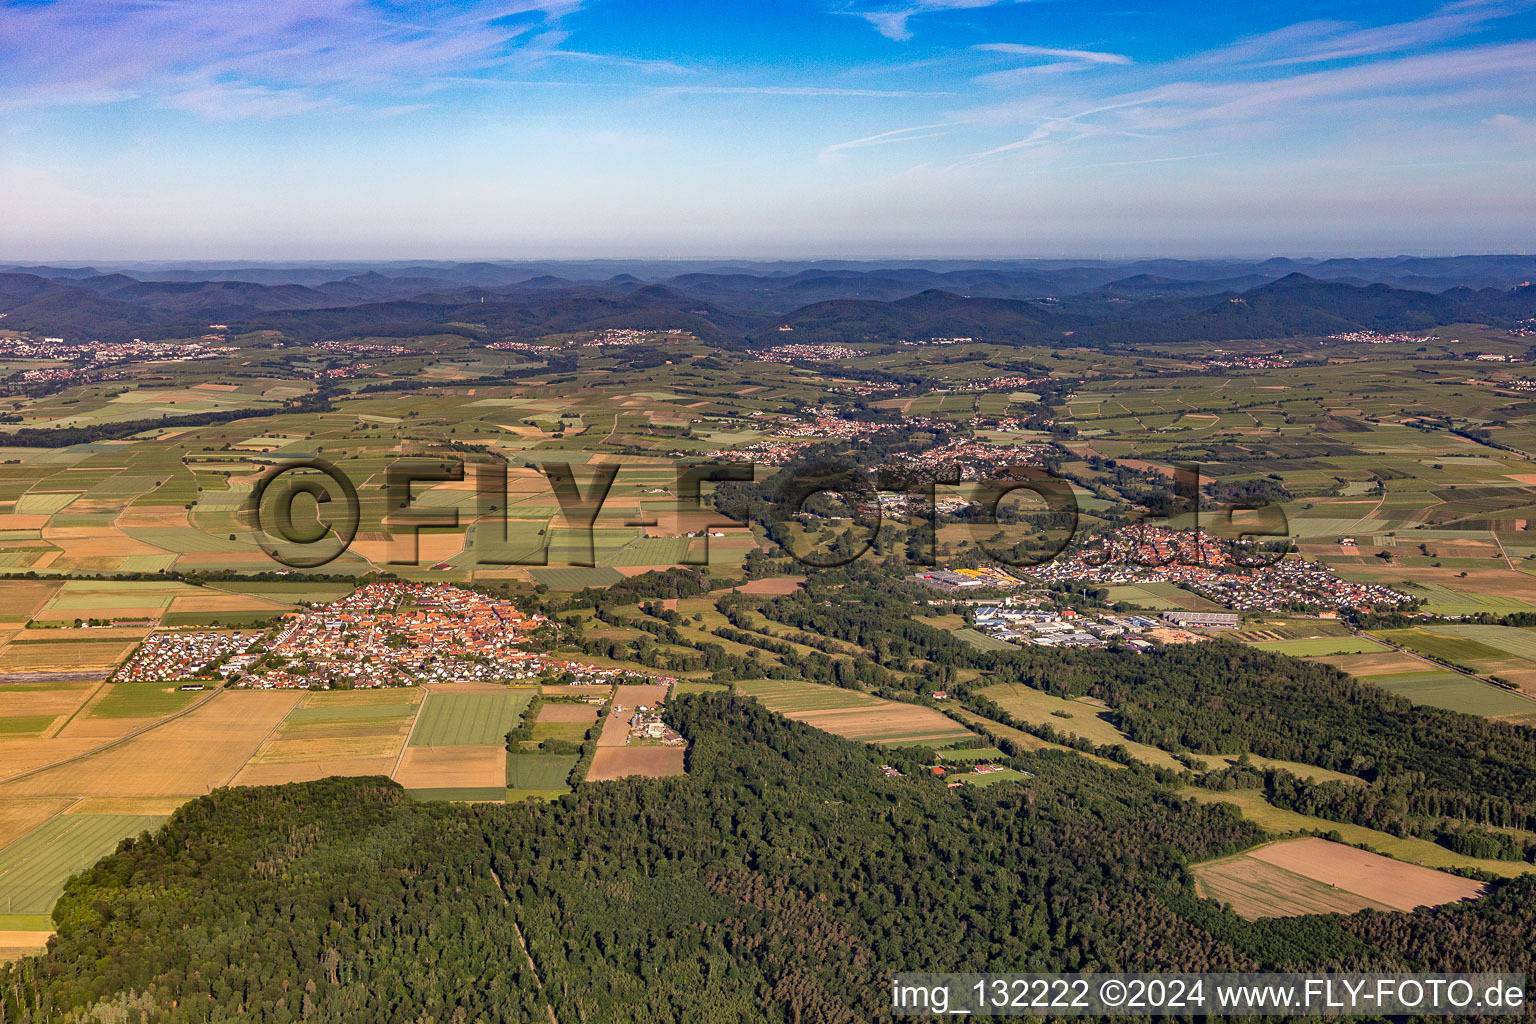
[651,551]
[983,642]
[1142,596]
[464,795]
[1456,692]
[1322,646]
[1460,650]
[143,700]
[1442,600]
[972,754]
[34,868]
[576,577]
[1514,640]
[468,719]
[571,732]
[44,503]
[993,778]
[25,725]
[544,772]
[791,696]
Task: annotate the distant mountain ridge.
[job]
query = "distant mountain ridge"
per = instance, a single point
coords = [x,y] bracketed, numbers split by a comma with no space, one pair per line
[1011,302]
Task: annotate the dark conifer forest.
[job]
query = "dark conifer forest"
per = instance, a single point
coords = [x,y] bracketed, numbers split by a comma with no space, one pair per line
[782,880]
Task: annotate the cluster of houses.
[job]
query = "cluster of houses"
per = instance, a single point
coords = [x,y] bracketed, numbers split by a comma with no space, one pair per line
[1195,561]
[100,352]
[1255,362]
[1373,338]
[1008,383]
[399,634]
[1296,583]
[168,657]
[807,353]
[976,460]
[373,348]
[788,438]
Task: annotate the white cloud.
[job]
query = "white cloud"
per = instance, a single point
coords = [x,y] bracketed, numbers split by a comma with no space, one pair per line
[890,20]
[260,58]
[1082,56]
[1508,124]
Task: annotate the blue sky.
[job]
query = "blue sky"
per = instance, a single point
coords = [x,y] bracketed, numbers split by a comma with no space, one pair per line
[269,129]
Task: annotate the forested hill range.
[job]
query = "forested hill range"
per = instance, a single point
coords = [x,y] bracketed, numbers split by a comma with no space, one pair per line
[754,304]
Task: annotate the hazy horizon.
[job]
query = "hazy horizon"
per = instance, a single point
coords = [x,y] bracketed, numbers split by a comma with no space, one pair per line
[767,259]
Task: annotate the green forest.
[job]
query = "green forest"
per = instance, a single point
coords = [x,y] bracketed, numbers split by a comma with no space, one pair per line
[781,880]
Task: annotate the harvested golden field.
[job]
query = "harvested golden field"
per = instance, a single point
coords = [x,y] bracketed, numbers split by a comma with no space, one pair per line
[1365,665]
[20,815]
[632,696]
[17,944]
[185,757]
[894,723]
[1398,885]
[126,805]
[19,755]
[615,730]
[1315,876]
[577,691]
[56,651]
[584,714]
[855,715]
[19,599]
[209,600]
[452,768]
[651,762]
[353,732]
[24,701]
[278,773]
[771,585]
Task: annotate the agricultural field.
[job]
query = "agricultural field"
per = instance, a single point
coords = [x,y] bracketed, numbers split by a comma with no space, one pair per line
[1412,850]
[856,716]
[612,762]
[1082,718]
[356,732]
[560,721]
[468,719]
[151,528]
[1322,646]
[990,778]
[33,869]
[452,767]
[538,773]
[1315,876]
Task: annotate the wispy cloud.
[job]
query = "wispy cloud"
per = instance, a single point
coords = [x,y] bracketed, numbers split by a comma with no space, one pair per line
[795,90]
[890,20]
[1044,60]
[1258,87]
[922,131]
[1523,130]
[1315,42]
[237,58]
[1082,56]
